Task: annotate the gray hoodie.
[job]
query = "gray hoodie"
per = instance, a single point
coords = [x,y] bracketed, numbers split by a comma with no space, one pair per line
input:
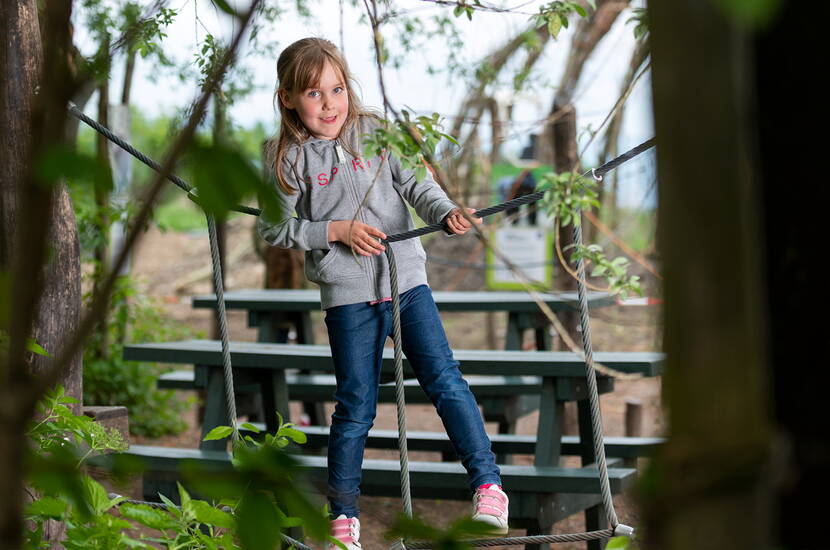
[331,184]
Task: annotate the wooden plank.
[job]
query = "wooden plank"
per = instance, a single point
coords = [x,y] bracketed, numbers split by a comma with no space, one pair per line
[309,300]
[386,473]
[617,447]
[318,358]
[322,386]
[177,380]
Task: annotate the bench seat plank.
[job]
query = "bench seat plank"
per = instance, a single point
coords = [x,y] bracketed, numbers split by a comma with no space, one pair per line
[318,358]
[321,387]
[386,473]
[617,447]
[272,300]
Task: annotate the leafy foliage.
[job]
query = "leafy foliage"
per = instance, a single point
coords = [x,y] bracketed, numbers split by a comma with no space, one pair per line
[113,381]
[615,271]
[555,15]
[224,178]
[452,538]
[58,424]
[566,196]
[409,140]
[640,21]
[239,516]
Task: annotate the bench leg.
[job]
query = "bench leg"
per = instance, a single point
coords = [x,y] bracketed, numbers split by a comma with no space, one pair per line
[215,410]
[539,529]
[594,521]
[316,411]
[274,390]
[503,411]
[513,338]
[549,430]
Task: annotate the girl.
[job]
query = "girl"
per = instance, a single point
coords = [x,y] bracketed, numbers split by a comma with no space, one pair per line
[321,175]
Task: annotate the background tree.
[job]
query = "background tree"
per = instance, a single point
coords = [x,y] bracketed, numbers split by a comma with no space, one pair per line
[744,459]
[39,284]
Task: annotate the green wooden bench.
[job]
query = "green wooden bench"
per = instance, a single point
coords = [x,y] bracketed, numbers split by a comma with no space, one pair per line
[538,495]
[265,365]
[615,447]
[561,377]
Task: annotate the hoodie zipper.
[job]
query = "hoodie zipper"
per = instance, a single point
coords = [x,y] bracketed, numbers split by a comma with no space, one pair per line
[338,151]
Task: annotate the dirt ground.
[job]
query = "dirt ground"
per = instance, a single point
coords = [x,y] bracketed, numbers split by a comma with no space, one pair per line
[167,266]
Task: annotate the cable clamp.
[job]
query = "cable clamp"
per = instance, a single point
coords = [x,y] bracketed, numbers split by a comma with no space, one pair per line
[594,173]
[623,531]
[398,545]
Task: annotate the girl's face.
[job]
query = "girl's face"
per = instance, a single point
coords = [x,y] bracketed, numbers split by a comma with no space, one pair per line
[323,108]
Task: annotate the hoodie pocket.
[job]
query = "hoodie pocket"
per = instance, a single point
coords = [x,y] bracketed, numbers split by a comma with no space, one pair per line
[338,263]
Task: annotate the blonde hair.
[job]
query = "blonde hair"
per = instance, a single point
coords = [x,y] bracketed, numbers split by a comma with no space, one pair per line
[298,68]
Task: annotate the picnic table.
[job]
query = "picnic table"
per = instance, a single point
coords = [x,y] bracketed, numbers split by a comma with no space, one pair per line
[270,310]
[556,377]
[524,381]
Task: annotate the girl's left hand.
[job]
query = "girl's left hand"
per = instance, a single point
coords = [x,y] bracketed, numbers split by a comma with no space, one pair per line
[458,224]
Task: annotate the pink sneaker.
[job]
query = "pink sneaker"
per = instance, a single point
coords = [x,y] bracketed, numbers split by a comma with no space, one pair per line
[490,506]
[347,531]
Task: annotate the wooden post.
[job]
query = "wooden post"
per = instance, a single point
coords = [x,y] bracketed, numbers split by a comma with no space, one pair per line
[633,425]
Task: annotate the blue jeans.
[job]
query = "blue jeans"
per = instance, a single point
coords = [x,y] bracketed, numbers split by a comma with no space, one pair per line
[357,333]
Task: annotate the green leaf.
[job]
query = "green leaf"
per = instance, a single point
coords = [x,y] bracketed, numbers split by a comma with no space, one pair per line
[258,522]
[223,5]
[580,10]
[148,516]
[294,435]
[61,162]
[207,514]
[184,497]
[225,178]
[171,506]
[47,506]
[219,432]
[34,347]
[97,495]
[250,427]
[554,25]
[618,542]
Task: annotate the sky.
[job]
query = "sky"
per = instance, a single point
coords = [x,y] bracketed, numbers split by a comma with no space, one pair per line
[411,86]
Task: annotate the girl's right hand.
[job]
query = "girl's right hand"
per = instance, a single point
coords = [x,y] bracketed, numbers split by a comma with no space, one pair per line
[360,237]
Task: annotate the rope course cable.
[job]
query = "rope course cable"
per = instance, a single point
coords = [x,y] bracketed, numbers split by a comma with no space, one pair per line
[599,450]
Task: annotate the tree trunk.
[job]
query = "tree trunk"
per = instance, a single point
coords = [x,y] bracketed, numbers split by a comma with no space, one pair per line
[129,69]
[560,133]
[710,485]
[102,200]
[607,192]
[45,286]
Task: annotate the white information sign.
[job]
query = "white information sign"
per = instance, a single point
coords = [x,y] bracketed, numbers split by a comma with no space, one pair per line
[529,248]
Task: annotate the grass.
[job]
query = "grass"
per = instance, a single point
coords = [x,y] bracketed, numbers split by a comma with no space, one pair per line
[183,215]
